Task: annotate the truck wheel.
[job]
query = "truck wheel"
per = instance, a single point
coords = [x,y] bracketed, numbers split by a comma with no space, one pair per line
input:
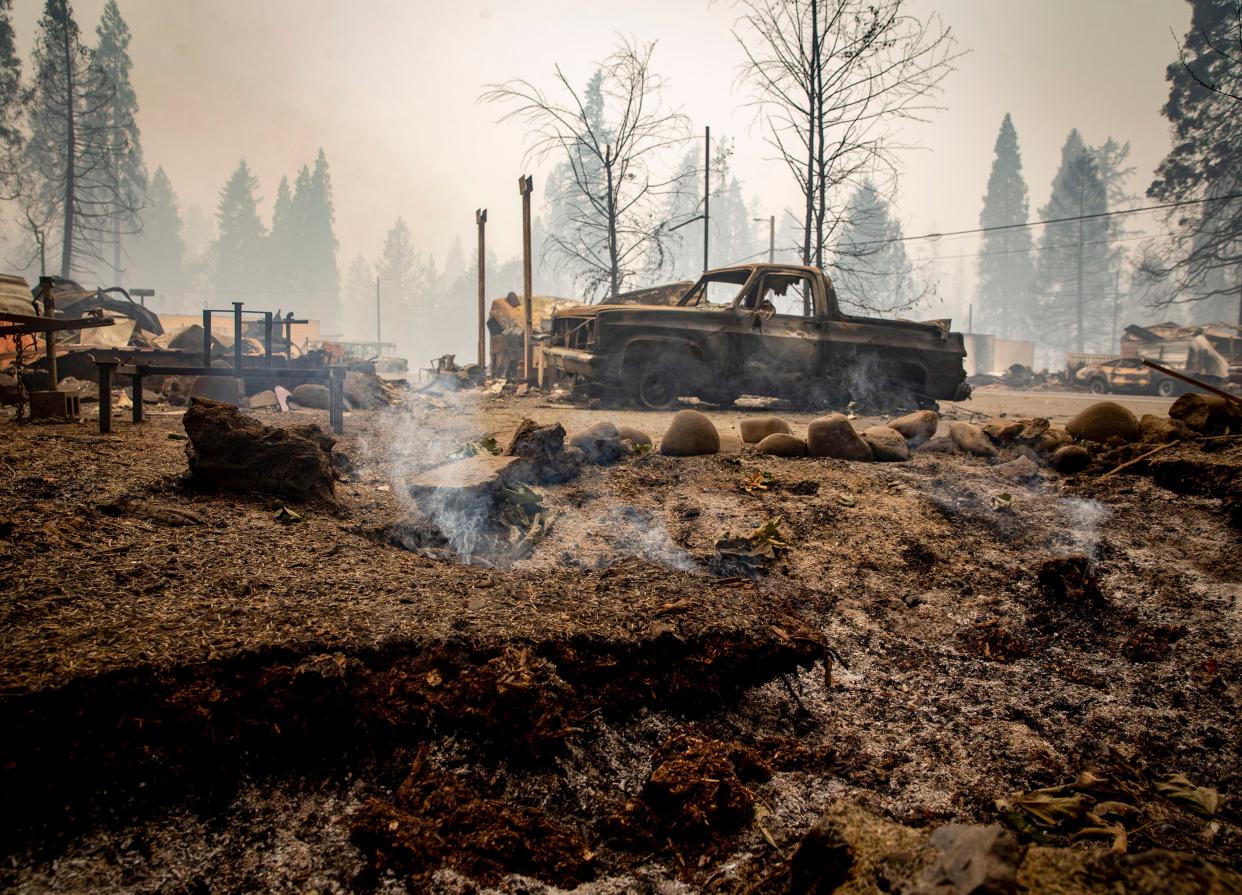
[1098,386]
[661,381]
[1167,388]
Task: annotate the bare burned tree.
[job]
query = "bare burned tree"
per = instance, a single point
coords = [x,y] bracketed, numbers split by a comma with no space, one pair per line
[830,79]
[1202,261]
[610,139]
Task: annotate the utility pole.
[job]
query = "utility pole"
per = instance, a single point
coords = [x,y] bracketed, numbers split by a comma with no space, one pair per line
[480,219]
[707,189]
[377,313]
[526,186]
[771,236]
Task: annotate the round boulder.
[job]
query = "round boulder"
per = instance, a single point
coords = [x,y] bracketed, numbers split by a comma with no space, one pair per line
[1070,459]
[940,444]
[1162,428]
[782,444]
[1102,421]
[833,436]
[601,443]
[971,439]
[690,434]
[918,426]
[887,444]
[755,429]
[313,395]
[227,389]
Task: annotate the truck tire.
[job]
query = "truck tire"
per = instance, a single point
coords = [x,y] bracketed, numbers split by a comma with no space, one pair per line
[1167,388]
[659,381]
[1098,386]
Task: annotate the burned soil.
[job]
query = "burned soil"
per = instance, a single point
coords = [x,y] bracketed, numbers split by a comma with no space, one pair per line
[220,691]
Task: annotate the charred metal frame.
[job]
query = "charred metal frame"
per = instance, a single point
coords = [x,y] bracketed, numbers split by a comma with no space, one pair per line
[332,377]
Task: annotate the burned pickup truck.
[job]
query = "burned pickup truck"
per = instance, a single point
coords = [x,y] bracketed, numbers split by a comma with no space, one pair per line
[757,329]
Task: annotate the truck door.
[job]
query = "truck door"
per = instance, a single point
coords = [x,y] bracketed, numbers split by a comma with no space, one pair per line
[781,341]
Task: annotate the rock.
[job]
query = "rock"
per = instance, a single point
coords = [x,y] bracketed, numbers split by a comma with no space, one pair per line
[755,429]
[1102,421]
[228,389]
[1161,429]
[264,399]
[366,391]
[731,443]
[599,444]
[634,436]
[1207,414]
[1021,471]
[972,860]
[782,444]
[939,444]
[1053,439]
[887,444]
[1070,459]
[1032,431]
[1002,431]
[10,389]
[918,426]
[542,452]
[833,436]
[176,389]
[312,395]
[823,858]
[690,434]
[229,450]
[971,439]
[463,480]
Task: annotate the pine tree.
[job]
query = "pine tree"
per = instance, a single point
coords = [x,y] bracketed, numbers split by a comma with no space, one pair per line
[398,269]
[283,246]
[1006,261]
[360,299]
[871,270]
[71,172]
[158,254]
[240,249]
[685,245]
[1203,262]
[321,244]
[1074,285]
[117,119]
[12,101]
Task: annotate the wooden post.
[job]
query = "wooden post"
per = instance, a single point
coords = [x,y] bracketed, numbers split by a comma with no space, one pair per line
[138,374]
[480,219]
[336,399]
[105,395]
[525,187]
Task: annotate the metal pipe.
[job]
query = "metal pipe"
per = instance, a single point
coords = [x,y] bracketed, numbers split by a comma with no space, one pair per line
[267,338]
[206,337]
[480,219]
[336,399]
[237,335]
[49,310]
[707,189]
[105,396]
[526,187]
[137,389]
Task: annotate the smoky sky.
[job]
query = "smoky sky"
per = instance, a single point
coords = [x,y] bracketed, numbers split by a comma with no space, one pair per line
[389,89]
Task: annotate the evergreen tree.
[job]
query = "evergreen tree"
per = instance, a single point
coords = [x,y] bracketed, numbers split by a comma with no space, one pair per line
[71,170]
[360,300]
[872,272]
[117,120]
[1006,262]
[319,233]
[283,246]
[1111,161]
[158,254]
[1203,262]
[398,270]
[240,248]
[685,245]
[1075,286]
[12,101]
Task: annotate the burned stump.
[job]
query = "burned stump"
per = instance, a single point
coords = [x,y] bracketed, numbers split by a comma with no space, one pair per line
[234,452]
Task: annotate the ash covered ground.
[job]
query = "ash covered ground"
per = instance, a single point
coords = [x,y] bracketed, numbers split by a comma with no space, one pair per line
[199,696]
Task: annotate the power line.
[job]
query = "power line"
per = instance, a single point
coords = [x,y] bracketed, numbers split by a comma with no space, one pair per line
[1080,217]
